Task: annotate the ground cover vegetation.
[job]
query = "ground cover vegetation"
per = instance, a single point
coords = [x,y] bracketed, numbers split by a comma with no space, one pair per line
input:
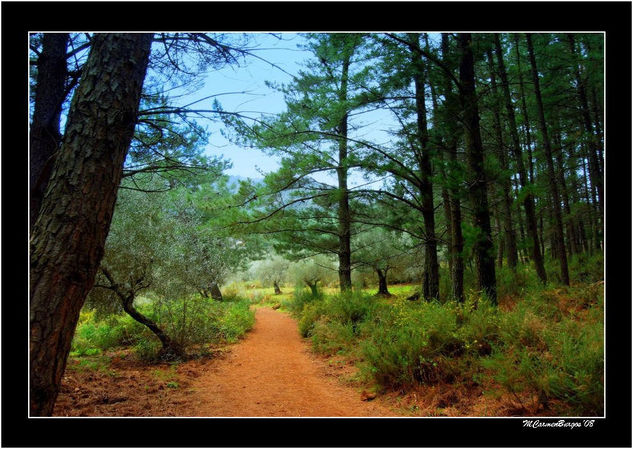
[436,218]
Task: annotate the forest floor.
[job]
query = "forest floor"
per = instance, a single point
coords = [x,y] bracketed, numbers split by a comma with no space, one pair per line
[271,372]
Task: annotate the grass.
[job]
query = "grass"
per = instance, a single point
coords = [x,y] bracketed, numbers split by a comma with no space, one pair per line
[543,345]
[194,324]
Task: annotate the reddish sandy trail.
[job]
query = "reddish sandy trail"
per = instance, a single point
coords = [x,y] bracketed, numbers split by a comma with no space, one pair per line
[272,373]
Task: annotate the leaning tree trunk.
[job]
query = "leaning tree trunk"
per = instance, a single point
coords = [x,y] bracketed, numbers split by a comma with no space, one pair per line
[483,246]
[68,238]
[551,172]
[170,349]
[215,291]
[44,136]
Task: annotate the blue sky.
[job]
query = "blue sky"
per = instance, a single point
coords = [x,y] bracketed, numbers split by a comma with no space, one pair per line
[250,78]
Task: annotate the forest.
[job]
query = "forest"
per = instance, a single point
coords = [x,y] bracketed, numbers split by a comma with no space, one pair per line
[432,229]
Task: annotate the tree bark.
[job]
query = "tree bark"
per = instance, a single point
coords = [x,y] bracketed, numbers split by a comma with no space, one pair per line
[215,291]
[551,172]
[506,188]
[382,283]
[431,288]
[528,202]
[594,163]
[170,350]
[44,136]
[524,110]
[483,246]
[313,287]
[344,214]
[560,173]
[68,237]
[457,239]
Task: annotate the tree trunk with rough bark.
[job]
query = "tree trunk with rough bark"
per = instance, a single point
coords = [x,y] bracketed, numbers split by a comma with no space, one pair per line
[44,136]
[344,214]
[483,246]
[68,237]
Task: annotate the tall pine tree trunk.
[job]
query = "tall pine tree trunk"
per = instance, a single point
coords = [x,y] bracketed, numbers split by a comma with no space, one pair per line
[506,188]
[483,247]
[68,238]
[594,163]
[44,136]
[551,172]
[524,110]
[344,215]
[457,239]
[431,288]
[528,202]
[446,202]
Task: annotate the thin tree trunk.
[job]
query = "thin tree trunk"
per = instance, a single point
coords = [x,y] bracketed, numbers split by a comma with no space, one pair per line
[344,214]
[551,172]
[594,163]
[528,202]
[44,136]
[506,188]
[170,349]
[524,110]
[445,194]
[457,240]
[500,239]
[431,288]
[483,247]
[560,172]
[68,237]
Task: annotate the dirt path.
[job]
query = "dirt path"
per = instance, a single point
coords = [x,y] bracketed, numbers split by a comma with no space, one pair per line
[272,373]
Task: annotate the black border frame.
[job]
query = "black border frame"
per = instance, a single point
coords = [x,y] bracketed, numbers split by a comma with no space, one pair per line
[18,18]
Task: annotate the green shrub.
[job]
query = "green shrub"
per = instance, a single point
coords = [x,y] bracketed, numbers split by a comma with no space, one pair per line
[350,307]
[555,357]
[193,321]
[302,297]
[310,314]
[407,343]
[332,337]
[235,319]
[147,350]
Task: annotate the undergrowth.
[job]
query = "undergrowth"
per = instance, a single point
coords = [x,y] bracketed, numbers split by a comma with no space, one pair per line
[193,324]
[546,343]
